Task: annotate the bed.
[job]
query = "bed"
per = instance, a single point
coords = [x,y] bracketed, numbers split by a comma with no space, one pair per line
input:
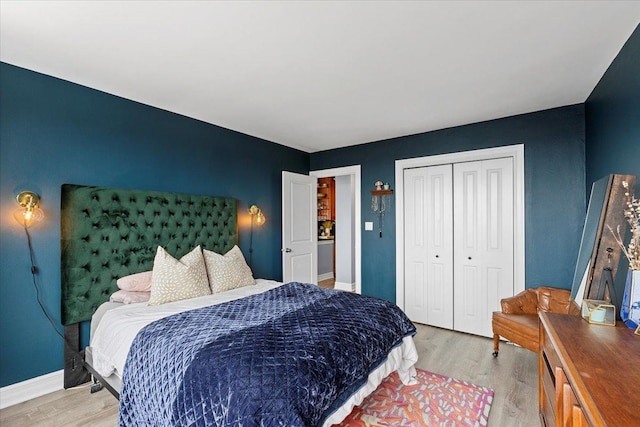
[263,354]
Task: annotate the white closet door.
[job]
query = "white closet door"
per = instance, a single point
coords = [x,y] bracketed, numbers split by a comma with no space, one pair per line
[483,242]
[429,245]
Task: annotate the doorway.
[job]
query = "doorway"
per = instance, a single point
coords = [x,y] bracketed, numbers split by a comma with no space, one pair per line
[347,226]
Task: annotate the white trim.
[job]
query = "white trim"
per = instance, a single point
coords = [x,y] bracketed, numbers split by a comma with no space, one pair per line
[516,152]
[354,170]
[31,388]
[343,286]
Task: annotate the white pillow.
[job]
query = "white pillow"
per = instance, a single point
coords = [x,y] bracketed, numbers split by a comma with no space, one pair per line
[138,282]
[228,271]
[129,297]
[174,280]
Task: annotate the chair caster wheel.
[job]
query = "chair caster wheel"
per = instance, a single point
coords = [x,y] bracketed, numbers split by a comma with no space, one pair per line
[495,354]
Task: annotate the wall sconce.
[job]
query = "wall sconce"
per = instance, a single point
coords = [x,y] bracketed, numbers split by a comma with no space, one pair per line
[256,213]
[258,216]
[381,201]
[30,212]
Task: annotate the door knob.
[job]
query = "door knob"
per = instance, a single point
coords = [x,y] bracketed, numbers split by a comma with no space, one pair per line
[286,250]
[469,257]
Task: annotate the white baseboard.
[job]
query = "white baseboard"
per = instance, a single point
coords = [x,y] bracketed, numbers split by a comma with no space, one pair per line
[30,389]
[350,287]
[325,276]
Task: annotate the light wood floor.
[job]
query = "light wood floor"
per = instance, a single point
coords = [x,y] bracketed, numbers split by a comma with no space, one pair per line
[513,376]
[329,283]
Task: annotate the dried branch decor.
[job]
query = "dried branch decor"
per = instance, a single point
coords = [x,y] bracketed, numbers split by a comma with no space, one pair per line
[632,214]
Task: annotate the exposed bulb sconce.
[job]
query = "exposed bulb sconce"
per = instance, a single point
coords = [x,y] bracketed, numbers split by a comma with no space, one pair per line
[30,211]
[258,217]
[256,213]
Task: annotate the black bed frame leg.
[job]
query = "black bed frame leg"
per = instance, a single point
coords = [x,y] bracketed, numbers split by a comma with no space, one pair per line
[96,386]
[74,371]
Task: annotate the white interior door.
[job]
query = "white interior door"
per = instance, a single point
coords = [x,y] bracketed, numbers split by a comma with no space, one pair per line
[299,223]
[429,245]
[483,241]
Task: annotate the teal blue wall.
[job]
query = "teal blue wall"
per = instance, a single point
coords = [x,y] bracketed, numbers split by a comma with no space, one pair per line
[554,189]
[54,132]
[612,116]
[612,123]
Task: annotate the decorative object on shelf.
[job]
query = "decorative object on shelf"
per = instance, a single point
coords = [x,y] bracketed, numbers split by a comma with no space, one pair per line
[326,229]
[380,202]
[599,312]
[258,217]
[326,204]
[630,309]
[637,332]
[30,211]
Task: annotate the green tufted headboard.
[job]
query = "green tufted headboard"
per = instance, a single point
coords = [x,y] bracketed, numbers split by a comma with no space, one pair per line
[108,233]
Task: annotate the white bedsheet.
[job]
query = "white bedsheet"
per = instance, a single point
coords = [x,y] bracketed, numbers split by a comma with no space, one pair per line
[119,326]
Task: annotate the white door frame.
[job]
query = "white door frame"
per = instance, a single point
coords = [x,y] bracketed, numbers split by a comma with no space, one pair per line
[516,152]
[354,170]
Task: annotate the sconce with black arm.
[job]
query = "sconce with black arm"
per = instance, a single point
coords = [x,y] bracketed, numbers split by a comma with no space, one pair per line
[27,215]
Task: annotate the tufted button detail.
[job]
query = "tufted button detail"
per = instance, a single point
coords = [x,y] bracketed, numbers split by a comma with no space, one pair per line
[120,230]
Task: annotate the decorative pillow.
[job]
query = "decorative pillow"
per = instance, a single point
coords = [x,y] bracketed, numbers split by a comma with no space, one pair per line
[174,280]
[228,271]
[129,297]
[139,282]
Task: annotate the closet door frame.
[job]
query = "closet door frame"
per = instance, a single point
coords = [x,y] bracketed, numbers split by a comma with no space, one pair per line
[516,152]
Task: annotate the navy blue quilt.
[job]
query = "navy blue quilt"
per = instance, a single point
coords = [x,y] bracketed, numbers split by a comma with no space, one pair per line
[285,357]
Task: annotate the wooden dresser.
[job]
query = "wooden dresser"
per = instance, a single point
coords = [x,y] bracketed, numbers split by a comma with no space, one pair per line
[589,374]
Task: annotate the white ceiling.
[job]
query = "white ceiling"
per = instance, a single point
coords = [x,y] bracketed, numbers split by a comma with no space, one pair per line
[321,75]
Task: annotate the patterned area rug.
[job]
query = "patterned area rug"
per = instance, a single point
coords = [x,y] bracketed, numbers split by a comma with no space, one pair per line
[435,401]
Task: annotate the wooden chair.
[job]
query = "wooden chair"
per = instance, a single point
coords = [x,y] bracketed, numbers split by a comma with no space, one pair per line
[518,320]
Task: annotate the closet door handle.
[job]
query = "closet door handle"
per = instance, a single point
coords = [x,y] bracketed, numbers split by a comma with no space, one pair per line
[437,256]
[469,258]
[286,250]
